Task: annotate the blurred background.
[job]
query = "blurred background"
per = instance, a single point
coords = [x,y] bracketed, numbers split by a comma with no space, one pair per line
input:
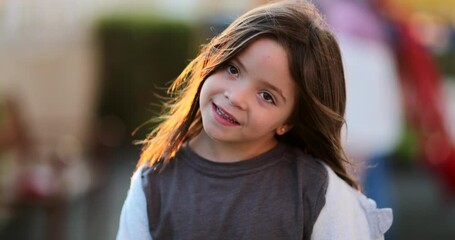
[77,78]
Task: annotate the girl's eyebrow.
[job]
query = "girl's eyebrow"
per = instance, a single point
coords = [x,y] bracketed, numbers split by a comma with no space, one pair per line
[242,67]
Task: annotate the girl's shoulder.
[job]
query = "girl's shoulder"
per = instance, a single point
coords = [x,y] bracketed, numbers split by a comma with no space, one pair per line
[349,214]
[133,222]
[346,213]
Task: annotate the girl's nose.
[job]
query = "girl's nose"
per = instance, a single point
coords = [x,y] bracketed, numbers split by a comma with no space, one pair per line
[238,97]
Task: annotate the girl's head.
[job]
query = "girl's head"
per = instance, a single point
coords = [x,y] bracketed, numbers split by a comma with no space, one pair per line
[247,102]
[315,68]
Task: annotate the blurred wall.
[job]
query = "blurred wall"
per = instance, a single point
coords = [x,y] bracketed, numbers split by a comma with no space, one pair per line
[48,68]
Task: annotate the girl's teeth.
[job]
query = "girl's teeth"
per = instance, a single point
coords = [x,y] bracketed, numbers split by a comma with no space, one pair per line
[225,116]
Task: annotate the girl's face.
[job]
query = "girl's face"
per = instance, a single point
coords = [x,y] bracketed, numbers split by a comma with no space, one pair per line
[249,100]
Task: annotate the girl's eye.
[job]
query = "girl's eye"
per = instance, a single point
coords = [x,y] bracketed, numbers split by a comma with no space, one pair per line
[267,97]
[232,70]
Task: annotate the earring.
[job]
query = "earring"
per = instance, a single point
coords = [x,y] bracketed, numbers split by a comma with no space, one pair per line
[283,130]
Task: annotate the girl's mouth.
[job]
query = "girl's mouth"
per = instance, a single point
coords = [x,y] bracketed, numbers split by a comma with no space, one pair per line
[224,115]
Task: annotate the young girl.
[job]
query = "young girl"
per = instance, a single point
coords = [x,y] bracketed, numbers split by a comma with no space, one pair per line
[250,147]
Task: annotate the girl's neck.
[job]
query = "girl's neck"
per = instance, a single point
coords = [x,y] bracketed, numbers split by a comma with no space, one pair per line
[218,151]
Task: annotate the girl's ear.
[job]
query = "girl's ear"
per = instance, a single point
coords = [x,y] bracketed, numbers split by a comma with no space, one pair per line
[283,129]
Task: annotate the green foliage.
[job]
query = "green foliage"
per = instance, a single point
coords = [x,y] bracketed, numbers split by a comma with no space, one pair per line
[408,147]
[140,56]
[446,63]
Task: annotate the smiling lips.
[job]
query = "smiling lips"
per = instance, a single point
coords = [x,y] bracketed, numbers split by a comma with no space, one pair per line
[224,117]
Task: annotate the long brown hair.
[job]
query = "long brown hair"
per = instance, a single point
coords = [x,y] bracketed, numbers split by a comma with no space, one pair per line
[315,65]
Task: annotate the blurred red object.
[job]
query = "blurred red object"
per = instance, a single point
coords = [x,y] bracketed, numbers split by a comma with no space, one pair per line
[422,89]
[38,183]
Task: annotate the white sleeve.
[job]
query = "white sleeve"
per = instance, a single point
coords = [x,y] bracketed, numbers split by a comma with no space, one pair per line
[133,219]
[349,215]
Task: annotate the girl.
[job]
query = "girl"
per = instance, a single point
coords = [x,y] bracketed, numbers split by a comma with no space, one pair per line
[250,147]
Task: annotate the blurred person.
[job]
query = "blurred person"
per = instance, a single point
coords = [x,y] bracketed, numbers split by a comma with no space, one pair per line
[374,114]
[251,145]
